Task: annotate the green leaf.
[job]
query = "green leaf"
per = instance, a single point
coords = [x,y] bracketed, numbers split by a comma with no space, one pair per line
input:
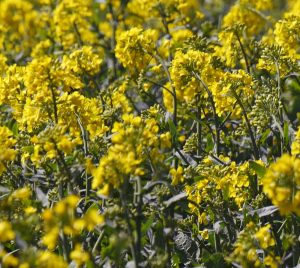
[293,85]
[89,264]
[173,130]
[15,129]
[286,133]
[175,261]
[147,225]
[259,169]
[28,149]
[265,136]
[209,143]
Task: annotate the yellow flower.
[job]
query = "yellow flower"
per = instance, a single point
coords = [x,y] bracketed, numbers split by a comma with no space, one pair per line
[222,90]
[6,231]
[47,215]
[271,261]
[24,265]
[165,139]
[47,259]
[202,218]
[72,200]
[249,242]
[65,145]
[287,34]
[204,234]
[79,256]
[60,208]
[21,194]
[50,238]
[134,47]
[78,225]
[92,218]
[131,139]
[7,153]
[183,69]
[105,190]
[83,60]
[263,235]
[243,12]
[70,12]
[181,138]
[177,175]
[30,210]
[281,183]
[49,147]
[10,261]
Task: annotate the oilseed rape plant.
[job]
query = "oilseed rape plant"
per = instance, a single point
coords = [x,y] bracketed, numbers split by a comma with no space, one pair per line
[149,133]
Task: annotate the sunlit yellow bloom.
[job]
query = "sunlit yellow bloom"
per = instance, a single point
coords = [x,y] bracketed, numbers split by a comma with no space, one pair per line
[264,237]
[48,260]
[79,255]
[134,48]
[177,175]
[51,237]
[6,231]
[281,183]
[7,153]
[21,194]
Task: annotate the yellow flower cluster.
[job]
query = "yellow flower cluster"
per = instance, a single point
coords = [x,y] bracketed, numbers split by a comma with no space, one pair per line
[229,88]
[287,35]
[247,12]
[79,256]
[82,60]
[42,259]
[133,141]
[177,175]
[119,100]
[71,20]
[184,71]
[75,111]
[192,73]
[19,24]
[6,231]
[52,142]
[47,259]
[174,10]
[281,184]
[135,46]
[61,220]
[7,152]
[249,241]
[231,181]
[115,119]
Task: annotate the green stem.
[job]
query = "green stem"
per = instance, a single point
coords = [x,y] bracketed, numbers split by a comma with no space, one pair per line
[199,127]
[138,219]
[79,39]
[243,52]
[114,23]
[171,85]
[254,145]
[279,91]
[215,115]
[54,105]
[85,149]
[123,194]
[98,241]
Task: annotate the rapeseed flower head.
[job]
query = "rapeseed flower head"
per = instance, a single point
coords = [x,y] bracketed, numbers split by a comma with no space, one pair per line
[281,183]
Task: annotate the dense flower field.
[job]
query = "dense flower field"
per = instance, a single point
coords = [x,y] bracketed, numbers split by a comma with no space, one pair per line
[149,133]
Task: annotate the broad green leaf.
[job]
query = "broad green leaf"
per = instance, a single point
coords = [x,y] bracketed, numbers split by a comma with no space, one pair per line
[259,169]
